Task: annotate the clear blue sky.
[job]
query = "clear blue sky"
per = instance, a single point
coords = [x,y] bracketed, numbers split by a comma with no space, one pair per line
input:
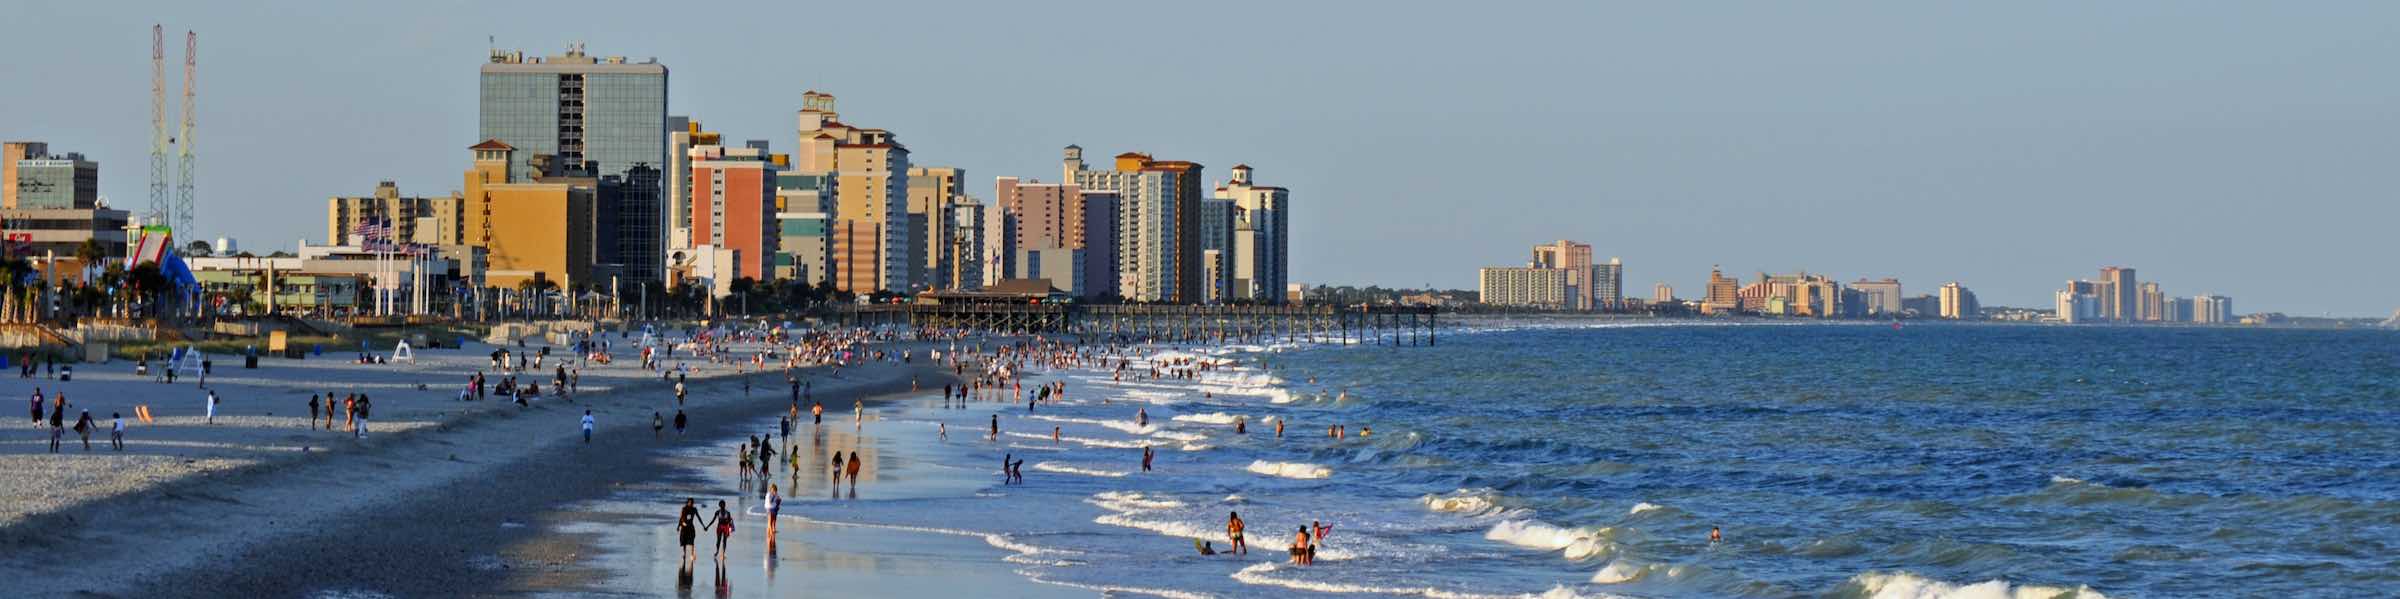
[2241,148]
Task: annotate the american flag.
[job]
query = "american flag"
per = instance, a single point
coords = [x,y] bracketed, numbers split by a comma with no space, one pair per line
[371,232]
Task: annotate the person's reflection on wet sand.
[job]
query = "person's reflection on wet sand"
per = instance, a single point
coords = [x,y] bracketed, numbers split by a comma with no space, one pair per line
[724,588]
[683,580]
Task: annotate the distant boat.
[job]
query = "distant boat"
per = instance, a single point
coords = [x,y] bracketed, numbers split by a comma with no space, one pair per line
[2394,322]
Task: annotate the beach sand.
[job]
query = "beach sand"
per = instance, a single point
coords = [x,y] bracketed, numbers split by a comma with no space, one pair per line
[436,501]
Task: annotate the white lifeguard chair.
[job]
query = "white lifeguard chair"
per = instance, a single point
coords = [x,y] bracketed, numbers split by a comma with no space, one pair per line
[187,360]
[401,353]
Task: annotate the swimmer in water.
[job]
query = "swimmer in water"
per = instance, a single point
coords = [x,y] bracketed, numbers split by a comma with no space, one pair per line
[1715,535]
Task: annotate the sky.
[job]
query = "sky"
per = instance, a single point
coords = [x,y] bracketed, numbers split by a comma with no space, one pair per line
[2244,149]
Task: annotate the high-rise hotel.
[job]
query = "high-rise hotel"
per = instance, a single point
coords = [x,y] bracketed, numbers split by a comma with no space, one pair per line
[578,108]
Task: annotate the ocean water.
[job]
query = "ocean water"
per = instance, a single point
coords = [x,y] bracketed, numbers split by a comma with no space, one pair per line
[1838,460]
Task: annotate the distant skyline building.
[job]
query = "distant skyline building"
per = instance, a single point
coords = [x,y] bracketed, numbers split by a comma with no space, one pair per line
[1158,215]
[536,230]
[1724,294]
[1662,293]
[431,220]
[2120,297]
[1261,252]
[1532,287]
[1216,249]
[2075,307]
[2212,309]
[1958,303]
[1608,285]
[803,213]
[32,178]
[1576,259]
[934,194]
[2153,303]
[1881,297]
[580,108]
[738,187]
[1037,217]
[872,245]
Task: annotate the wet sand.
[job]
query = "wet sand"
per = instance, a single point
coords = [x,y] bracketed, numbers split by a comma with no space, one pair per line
[440,510]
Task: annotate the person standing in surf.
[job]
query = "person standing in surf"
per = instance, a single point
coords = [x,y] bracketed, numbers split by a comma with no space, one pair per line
[1233,532]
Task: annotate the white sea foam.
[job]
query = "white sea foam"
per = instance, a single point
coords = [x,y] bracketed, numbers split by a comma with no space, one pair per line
[1574,543]
[1644,507]
[1127,501]
[2063,480]
[1190,529]
[1178,436]
[1903,585]
[1261,574]
[1290,469]
[1110,590]
[1473,502]
[1126,426]
[1066,469]
[1084,441]
[1621,571]
[1209,418]
[1022,553]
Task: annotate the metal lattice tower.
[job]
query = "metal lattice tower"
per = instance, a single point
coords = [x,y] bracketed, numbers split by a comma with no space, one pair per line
[185,166]
[158,127]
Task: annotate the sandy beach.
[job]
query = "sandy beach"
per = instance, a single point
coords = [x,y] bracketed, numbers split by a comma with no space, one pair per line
[260,503]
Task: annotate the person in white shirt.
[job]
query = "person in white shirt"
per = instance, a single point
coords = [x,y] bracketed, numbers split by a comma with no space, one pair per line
[587,426]
[212,407]
[116,432]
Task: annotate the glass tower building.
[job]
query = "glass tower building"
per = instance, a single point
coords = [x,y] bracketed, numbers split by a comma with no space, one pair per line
[601,110]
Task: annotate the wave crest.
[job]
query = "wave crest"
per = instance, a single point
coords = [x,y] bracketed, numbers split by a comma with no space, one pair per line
[1290,469]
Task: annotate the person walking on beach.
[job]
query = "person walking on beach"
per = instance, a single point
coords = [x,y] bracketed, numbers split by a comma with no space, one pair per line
[212,407]
[658,425]
[774,512]
[1147,453]
[766,458]
[587,427]
[679,393]
[855,463]
[817,409]
[116,431]
[1233,532]
[858,413]
[995,427]
[722,522]
[837,470]
[84,426]
[37,406]
[349,411]
[741,455]
[687,525]
[679,423]
[312,411]
[1303,551]
[364,405]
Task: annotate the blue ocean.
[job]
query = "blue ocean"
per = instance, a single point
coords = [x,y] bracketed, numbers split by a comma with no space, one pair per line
[1595,460]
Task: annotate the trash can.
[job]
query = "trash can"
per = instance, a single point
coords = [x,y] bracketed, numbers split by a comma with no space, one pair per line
[250,362]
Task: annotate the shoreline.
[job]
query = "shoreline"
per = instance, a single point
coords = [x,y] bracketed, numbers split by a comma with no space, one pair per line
[284,525]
